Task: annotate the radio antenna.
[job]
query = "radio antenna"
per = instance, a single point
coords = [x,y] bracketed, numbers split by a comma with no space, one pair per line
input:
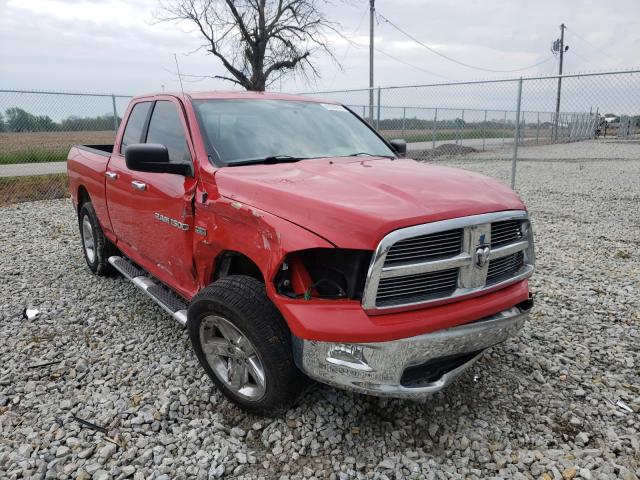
[175,57]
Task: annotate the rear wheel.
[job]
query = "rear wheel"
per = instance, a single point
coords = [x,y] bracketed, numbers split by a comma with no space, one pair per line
[96,247]
[244,345]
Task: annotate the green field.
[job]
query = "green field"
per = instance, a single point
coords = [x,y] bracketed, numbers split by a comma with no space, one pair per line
[32,156]
[27,147]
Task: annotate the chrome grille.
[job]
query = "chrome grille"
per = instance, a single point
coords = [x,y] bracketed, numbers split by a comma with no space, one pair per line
[450,259]
[417,287]
[504,267]
[426,247]
[505,232]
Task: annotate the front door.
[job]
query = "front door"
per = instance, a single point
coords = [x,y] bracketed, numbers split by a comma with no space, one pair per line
[152,213]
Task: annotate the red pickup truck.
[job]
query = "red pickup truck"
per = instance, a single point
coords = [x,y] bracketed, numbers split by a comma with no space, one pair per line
[295,242]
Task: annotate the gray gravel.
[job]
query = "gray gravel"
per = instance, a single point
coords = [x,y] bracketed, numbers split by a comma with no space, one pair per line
[543,405]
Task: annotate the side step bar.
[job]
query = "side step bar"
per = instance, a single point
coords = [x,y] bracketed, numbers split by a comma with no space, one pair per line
[164,297]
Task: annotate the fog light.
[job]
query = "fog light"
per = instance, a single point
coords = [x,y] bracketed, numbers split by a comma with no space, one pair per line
[348,355]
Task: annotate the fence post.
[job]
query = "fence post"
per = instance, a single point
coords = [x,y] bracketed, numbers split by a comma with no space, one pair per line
[484,125]
[516,136]
[378,113]
[461,130]
[572,126]
[538,129]
[435,126]
[504,127]
[404,119]
[115,113]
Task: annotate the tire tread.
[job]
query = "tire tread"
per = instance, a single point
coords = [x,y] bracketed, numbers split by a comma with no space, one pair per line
[103,246]
[245,296]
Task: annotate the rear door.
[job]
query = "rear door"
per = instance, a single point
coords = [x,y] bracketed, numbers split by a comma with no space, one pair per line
[152,213]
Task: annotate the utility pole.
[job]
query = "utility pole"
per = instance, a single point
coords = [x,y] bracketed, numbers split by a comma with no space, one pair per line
[558,46]
[372,10]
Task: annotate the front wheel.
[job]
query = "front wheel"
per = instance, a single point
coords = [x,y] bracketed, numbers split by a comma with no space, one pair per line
[244,345]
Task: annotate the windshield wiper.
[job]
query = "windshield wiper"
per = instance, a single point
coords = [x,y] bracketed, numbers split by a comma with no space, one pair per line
[360,154]
[267,160]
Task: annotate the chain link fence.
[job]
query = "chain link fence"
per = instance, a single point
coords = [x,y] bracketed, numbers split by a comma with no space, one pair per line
[38,128]
[437,120]
[445,119]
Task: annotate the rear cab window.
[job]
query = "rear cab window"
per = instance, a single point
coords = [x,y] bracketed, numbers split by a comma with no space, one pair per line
[135,125]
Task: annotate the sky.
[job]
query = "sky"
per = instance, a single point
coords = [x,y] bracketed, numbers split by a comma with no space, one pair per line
[114,46]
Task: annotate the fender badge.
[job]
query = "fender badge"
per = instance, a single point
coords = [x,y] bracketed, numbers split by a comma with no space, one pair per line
[171,221]
[201,230]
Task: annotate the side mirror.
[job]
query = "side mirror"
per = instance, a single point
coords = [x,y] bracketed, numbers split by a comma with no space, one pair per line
[399,145]
[152,157]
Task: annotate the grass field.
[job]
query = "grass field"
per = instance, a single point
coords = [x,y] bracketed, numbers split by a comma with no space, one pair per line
[37,187]
[40,147]
[37,147]
[33,156]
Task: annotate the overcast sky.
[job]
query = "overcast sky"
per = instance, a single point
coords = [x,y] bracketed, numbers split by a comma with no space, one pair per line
[114,45]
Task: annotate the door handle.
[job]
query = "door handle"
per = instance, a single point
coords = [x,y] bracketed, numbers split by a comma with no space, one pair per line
[111,175]
[139,185]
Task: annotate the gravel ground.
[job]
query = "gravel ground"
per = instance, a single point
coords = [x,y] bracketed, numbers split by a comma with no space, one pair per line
[560,401]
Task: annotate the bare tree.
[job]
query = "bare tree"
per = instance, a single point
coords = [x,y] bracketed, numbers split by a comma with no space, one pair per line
[257,41]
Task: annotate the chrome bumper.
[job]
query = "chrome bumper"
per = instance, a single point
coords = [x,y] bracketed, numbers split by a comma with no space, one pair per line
[412,367]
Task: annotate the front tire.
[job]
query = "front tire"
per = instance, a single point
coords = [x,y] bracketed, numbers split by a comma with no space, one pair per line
[244,345]
[96,247]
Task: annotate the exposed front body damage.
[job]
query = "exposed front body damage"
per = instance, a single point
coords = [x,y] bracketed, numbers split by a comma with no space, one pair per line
[317,233]
[260,236]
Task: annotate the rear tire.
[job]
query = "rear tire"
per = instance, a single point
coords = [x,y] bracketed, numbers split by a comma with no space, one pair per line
[244,345]
[96,247]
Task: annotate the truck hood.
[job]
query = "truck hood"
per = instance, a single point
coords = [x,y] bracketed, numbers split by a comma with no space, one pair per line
[353,203]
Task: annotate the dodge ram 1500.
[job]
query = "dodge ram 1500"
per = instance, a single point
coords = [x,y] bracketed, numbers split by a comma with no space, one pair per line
[295,242]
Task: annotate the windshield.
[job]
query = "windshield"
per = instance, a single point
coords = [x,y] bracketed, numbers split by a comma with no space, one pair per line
[238,131]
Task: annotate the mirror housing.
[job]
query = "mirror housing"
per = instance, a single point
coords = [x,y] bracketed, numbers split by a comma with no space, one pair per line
[399,146]
[152,157]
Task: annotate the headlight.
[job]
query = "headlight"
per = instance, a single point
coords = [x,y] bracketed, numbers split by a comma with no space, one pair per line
[323,272]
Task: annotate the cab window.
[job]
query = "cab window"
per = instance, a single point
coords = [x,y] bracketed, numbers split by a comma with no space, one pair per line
[135,125]
[166,129]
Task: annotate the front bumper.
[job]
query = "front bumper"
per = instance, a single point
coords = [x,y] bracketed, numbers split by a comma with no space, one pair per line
[411,367]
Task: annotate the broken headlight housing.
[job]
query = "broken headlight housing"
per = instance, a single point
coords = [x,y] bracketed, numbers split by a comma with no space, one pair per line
[331,273]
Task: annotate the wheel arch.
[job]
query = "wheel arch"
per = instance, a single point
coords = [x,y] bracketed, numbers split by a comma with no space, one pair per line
[232,262]
[83,196]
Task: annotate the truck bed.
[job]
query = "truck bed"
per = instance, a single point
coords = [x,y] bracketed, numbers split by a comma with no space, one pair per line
[86,167]
[104,150]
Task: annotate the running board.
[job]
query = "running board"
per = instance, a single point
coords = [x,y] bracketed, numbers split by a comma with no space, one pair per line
[164,297]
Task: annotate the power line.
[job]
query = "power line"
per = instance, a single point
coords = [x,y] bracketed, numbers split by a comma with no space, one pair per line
[433,50]
[553,68]
[573,52]
[182,76]
[410,64]
[577,35]
[386,54]
[349,47]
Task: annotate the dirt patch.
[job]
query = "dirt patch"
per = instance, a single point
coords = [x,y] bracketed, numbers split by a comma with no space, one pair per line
[448,149]
[37,187]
